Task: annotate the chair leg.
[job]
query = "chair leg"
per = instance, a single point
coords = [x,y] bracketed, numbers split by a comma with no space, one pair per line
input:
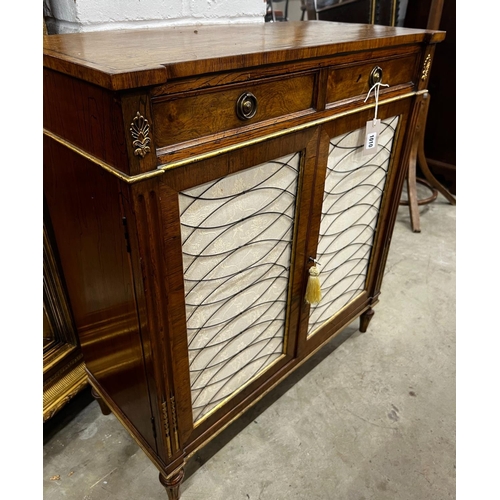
[417,155]
[411,183]
[422,161]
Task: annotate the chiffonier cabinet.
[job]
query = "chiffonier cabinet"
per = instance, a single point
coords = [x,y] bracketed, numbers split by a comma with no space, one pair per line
[193,177]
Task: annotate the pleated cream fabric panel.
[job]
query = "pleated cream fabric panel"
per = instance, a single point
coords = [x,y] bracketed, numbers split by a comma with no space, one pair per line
[351,203]
[237,236]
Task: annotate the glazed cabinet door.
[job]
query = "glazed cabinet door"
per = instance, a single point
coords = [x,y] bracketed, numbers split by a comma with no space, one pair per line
[356,194]
[232,232]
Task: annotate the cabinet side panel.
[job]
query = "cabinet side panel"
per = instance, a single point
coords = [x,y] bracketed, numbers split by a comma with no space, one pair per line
[84,205]
[85,115]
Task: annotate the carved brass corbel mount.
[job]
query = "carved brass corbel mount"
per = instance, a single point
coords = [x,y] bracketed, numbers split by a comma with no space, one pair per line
[426,68]
[139,129]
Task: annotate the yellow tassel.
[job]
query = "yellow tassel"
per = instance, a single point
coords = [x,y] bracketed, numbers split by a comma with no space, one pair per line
[313,290]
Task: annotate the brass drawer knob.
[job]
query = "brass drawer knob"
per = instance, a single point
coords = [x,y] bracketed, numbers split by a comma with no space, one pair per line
[375,76]
[246,106]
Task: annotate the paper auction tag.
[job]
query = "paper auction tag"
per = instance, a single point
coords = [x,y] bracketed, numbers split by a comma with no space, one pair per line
[371,137]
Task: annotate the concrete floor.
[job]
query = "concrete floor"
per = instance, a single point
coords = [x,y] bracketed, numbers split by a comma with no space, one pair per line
[371,418]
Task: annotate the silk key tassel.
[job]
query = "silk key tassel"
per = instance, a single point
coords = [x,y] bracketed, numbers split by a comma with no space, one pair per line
[313,290]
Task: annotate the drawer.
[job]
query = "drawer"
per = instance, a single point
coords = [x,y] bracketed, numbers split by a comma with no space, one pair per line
[183,118]
[353,81]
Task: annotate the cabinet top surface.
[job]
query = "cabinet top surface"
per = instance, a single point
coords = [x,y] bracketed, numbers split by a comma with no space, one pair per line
[134,58]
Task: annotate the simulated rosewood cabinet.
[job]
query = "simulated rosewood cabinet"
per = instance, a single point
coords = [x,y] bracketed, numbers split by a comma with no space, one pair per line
[191,176]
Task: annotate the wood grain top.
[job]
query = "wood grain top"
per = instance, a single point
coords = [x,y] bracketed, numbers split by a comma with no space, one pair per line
[127,59]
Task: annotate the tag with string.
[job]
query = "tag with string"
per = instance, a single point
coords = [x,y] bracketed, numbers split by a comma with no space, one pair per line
[373,126]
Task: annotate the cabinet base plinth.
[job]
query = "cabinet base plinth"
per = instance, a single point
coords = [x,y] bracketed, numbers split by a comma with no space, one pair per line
[173,484]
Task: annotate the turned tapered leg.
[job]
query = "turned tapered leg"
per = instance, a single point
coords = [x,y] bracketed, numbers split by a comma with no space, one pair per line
[364,320]
[104,407]
[173,484]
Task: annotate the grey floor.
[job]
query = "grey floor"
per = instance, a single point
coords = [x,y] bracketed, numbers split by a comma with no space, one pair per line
[370,418]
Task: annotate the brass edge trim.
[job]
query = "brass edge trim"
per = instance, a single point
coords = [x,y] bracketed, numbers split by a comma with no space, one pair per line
[174,422]
[166,427]
[268,390]
[130,179]
[222,403]
[336,315]
[285,131]
[112,170]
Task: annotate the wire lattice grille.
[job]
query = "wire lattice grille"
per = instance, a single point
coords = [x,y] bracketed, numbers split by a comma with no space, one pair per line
[351,203]
[237,236]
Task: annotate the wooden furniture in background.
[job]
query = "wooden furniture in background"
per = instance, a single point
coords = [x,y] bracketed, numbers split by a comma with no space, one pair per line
[435,141]
[276,15]
[189,196]
[63,368]
[440,132]
[385,12]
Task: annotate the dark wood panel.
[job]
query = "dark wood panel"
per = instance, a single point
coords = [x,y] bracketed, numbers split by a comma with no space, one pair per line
[85,115]
[440,131]
[84,207]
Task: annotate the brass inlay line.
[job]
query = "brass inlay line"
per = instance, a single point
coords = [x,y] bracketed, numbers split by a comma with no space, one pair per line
[337,315]
[285,131]
[174,421]
[106,166]
[247,383]
[131,179]
[167,427]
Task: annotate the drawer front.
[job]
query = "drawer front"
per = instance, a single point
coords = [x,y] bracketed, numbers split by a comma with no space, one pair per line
[354,81]
[192,117]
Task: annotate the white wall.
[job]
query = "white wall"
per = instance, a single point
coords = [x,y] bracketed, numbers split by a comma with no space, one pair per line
[69,16]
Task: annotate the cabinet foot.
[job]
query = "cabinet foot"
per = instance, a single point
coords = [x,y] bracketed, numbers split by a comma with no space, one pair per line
[104,407]
[173,484]
[364,320]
